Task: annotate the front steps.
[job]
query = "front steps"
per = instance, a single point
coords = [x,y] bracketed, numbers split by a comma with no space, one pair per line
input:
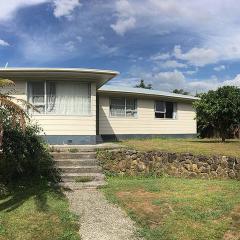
[79,169]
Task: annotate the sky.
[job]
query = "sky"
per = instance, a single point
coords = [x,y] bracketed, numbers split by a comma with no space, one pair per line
[189,44]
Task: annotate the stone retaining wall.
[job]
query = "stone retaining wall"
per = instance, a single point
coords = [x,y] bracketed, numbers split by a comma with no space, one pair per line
[134,163]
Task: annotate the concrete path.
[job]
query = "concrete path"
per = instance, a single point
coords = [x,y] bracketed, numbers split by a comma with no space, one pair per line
[99,219]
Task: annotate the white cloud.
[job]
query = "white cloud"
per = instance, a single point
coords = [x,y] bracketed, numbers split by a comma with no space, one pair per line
[172,64]
[191,72]
[79,38]
[9,8]
[4,43]
[219,68]
[61,7]
[197,56]
[232,82]
[160,56]
[69,46]
[65,7]
[169,80]
[125,17]
[123,25]
[218,37]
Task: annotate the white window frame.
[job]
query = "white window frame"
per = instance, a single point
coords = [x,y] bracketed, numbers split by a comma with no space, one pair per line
[125,110]
[165,110]
[45,100]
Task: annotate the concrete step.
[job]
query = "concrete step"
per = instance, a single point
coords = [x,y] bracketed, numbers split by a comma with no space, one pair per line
[79,186]
[72,177]
[80,169]
[80,155]
[76,162]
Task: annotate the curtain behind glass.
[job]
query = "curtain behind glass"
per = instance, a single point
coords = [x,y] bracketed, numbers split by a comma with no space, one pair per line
[36,96]
[71,98]
[117,107]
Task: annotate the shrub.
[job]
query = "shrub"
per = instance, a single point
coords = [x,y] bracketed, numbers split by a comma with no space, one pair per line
[219,110]
[25,155]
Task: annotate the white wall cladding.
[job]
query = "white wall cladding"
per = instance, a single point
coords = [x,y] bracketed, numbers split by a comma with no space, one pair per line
[145,122]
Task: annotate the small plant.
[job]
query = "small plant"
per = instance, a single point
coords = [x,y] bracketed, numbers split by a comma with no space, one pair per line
[83,179]
[73,150]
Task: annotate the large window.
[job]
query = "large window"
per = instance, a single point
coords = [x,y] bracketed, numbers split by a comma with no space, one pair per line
[165,110]
[123,107]
[60,98]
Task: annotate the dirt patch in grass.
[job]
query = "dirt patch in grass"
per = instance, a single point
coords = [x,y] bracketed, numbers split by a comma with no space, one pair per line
[179,209]
[234,232]
[142,204]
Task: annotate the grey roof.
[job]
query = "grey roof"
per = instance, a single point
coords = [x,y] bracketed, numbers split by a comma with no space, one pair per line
[142,91]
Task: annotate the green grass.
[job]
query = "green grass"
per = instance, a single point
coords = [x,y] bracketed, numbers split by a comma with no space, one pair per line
[36,211]
[195,146]
[177,209]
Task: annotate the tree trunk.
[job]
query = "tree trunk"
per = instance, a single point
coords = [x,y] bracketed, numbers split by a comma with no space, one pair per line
[223,134]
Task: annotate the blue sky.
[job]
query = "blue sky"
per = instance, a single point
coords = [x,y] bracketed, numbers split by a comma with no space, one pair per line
[187,44]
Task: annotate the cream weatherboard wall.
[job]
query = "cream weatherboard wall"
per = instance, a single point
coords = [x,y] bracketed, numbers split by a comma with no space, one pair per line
[145,122]
[63,125]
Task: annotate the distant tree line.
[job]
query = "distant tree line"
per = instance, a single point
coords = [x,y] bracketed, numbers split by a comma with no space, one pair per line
[142,84]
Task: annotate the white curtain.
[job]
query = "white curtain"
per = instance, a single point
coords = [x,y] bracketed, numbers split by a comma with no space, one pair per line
[175,111]
[117,107]
[36,96]
[68,98]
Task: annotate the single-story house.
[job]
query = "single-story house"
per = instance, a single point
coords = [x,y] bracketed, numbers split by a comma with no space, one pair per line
[75,106]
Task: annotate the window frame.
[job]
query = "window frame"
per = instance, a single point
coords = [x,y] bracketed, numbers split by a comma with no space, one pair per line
[33,113]
[125,109]
[165,118]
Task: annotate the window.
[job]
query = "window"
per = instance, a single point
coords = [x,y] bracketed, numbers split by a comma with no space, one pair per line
[165,110]
[123,107]
[62,98]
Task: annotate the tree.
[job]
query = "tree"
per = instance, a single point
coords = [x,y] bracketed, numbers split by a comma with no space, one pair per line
[10,110]
[143,85]
[180,91]
[219,109]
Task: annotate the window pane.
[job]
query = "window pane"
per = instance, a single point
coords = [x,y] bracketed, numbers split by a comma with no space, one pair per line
[131,107]
[68,98]
[51,97]
[117,107]
[159,115]
[169,110]
[36,92]
[40,109]
[36,96]
[160,107]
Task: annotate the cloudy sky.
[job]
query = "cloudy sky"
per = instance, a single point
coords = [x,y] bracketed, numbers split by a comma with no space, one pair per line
[188,44]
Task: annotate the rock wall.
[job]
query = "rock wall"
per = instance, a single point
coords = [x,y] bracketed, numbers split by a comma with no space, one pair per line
[134,163]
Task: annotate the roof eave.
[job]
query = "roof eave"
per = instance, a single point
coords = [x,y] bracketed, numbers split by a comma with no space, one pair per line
[99,76]
[183,97]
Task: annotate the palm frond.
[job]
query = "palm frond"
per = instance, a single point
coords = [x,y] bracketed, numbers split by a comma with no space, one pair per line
[6,82]
[22,102]
[18,114]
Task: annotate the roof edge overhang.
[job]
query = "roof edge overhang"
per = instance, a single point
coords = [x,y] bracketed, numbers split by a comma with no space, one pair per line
[93,75]
[151,95]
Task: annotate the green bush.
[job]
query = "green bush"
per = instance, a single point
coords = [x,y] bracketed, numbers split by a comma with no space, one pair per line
[25,155]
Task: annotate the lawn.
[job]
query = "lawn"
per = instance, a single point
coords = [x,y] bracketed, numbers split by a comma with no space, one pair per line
[36,211]
[196,146]
[178,209]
